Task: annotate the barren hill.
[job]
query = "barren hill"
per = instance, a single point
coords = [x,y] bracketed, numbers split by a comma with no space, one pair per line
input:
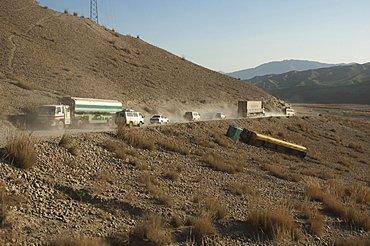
[47,54]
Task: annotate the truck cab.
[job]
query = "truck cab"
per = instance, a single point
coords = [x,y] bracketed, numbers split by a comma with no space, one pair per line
[58,116]
[129,117]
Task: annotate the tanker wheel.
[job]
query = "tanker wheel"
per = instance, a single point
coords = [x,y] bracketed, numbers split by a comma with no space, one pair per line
[110,122]
[60,125]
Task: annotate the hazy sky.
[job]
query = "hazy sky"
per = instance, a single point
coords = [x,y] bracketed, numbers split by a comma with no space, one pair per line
[231,35]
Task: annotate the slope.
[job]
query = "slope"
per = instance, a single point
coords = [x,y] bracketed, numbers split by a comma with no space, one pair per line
[48,54]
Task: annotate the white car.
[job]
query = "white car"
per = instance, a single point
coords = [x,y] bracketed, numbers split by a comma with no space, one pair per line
[159,119]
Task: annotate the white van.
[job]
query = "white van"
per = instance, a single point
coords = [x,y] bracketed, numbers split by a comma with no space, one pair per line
[192,116]
[129,117]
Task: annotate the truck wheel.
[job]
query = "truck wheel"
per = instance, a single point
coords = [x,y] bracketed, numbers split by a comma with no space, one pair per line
[110,122]
[60,125]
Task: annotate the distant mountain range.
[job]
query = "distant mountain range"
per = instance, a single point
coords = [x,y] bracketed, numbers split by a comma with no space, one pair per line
[339,84]
[279,67]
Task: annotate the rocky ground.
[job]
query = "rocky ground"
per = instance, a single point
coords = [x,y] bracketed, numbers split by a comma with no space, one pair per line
[101,187]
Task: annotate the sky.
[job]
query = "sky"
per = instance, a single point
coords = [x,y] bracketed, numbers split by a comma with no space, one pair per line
[232,35]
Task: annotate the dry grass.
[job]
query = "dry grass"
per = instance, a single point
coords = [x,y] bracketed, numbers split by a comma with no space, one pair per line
[3,207]
[357,147]
[221,140]
[134,138]
[316,221]
[151,184]
[65,141]
[241,189]
[274,224]
[173,175]
[105,176]
[278,172]
[220,164]
[202,226]
[68,240]
[352,242]
[173,146]
[20,149]
[313,192]
[151,228]
[215,207]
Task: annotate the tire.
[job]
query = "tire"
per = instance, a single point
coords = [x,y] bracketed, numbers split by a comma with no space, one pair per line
[110,122]
[131,124]
[60,125]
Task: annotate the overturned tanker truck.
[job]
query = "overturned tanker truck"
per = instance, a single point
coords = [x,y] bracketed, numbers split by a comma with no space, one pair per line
[76,111]
[257,139]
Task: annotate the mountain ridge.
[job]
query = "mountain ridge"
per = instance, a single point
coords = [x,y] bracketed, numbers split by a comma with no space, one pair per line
[339,84]
[279,67]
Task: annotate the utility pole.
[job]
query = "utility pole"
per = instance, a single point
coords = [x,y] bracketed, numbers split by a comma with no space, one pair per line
[94,11]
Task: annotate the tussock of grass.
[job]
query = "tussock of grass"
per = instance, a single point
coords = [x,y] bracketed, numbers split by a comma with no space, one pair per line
[221,140]
[274,224]
[3,207]
[241,189]
[216,208]
[173,146]
[313,192]
[68,240]
[220,164]
[134,138]
[357,147]
[316,221]
[202,226]
[278,172]
[352,242]
[20,149]
[173,175]
[151,228]
[65,141]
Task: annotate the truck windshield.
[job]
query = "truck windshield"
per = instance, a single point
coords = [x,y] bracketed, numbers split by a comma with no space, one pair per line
[47,110]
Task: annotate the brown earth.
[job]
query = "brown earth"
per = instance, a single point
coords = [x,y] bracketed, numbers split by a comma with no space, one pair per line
[99,186]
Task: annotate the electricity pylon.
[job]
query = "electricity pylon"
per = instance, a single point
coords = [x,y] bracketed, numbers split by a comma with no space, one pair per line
[94,11]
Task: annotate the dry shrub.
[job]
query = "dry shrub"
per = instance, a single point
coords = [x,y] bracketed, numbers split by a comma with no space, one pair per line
[201,141]
[173,175]
[65,141]
[241,189]
[20,149]
[277,172]
[151,184]
[120,148]
[177,220]
[3,207]
[151,228]
[220,164]
[74,151]
[216,208]
[357,147]
[357,219]
[359,193]
[313,192]
[173,146]
[274,224]
[68,240]
[104,176]
[202,226]
[352,242]
[134,138]
[303,126]
[221,140]
[292,128]
[316,221]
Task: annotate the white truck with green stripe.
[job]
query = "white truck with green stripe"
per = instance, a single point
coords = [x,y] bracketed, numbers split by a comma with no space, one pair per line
[76,111]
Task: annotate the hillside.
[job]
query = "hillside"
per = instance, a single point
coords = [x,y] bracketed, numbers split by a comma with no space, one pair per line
[278,67]
[188,184]
[341,84]
[47,55]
